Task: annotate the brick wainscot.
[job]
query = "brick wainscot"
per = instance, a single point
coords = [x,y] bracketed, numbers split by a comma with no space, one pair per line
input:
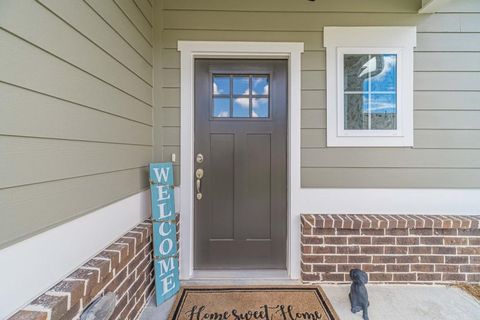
[125,268]
[391,248]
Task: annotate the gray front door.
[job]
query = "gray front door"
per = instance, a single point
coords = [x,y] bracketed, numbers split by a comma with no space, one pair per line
[241,132]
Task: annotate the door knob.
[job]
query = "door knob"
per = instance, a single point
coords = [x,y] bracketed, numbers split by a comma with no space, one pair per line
[199,173]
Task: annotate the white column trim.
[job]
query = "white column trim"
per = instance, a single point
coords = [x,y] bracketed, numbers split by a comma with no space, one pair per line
[189,50]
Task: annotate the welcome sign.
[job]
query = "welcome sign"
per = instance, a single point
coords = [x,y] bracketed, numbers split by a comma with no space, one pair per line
[164,231]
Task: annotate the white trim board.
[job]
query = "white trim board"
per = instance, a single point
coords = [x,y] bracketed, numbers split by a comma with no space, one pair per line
[189,50]
[32,266]
[389,201]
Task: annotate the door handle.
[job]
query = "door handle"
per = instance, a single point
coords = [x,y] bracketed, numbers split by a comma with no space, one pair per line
[198,183]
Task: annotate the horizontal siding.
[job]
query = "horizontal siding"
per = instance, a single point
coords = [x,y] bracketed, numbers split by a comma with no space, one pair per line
[447,61]
[389,178]
[76,111]
[96,28]
[31,209]
[451,100]
[313,21]
[112,13]
[73,47]
[146,8]
[135,15]
[390,158]
[424,139]
[447,81]
[72,159]
[29,67]
[446,84]
[26,113]
[289,6]
[461,6]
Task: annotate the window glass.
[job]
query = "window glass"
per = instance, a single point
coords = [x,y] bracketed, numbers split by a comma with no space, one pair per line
[240,96]
[260,86]
[370,91]
[221,107]
[241,107]
[260,108]
[221,85]
[241,85]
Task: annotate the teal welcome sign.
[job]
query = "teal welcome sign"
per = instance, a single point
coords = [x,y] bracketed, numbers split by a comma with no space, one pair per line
[167,283]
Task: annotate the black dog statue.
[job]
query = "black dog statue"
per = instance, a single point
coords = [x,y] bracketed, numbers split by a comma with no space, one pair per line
[358,292]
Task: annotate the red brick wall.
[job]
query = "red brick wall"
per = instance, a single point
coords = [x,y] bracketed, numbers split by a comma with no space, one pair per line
[391,248]
[125,267]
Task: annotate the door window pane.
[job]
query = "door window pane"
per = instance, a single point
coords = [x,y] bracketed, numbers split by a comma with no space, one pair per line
[241,85]
[221,107]
[221,85]
[370,87]
[240,96]
[259,108]
[260,86]
[241,107]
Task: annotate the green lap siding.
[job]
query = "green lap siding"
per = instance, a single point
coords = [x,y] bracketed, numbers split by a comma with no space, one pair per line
[446,84]
[76,110]
[90,94]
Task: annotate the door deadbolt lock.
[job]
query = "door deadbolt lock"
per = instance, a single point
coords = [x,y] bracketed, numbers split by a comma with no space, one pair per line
[199,158]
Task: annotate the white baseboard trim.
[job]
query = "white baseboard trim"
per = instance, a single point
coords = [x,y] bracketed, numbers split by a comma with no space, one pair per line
[389,201]
[32,266]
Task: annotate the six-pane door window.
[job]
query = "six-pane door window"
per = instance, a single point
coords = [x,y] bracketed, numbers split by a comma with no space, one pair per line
[240,96]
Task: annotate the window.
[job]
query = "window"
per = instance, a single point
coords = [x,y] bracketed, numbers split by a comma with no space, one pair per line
[369,86]
[240,96]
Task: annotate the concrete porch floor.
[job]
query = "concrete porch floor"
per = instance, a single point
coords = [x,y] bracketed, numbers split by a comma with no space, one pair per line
[387,302]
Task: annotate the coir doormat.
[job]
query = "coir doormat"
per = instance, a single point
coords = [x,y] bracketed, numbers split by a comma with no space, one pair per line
[252,303]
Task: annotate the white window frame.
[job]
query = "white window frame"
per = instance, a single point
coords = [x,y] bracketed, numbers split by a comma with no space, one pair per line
[369,40]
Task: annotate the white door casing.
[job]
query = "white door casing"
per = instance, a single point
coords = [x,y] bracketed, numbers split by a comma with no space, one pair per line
[189,50]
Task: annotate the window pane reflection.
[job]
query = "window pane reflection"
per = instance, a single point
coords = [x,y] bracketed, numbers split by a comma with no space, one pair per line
[240,96]
[221,85]
[221,107]
[241,85]
[260,108]
[241,107]
[370,87]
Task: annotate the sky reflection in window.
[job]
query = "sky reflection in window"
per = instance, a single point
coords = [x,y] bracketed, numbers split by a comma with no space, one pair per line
[221,85]
[241,85]
[240,96]
[221,107]
[370,84]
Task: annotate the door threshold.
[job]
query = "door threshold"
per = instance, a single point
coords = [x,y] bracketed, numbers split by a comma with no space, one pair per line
[241,277]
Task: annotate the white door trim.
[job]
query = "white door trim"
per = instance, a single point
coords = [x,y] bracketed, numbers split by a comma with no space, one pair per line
[189,50]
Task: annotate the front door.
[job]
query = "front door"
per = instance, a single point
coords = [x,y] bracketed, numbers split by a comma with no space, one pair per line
[241,164]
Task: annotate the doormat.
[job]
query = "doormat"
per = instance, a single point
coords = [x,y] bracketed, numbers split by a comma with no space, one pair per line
[252,303]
